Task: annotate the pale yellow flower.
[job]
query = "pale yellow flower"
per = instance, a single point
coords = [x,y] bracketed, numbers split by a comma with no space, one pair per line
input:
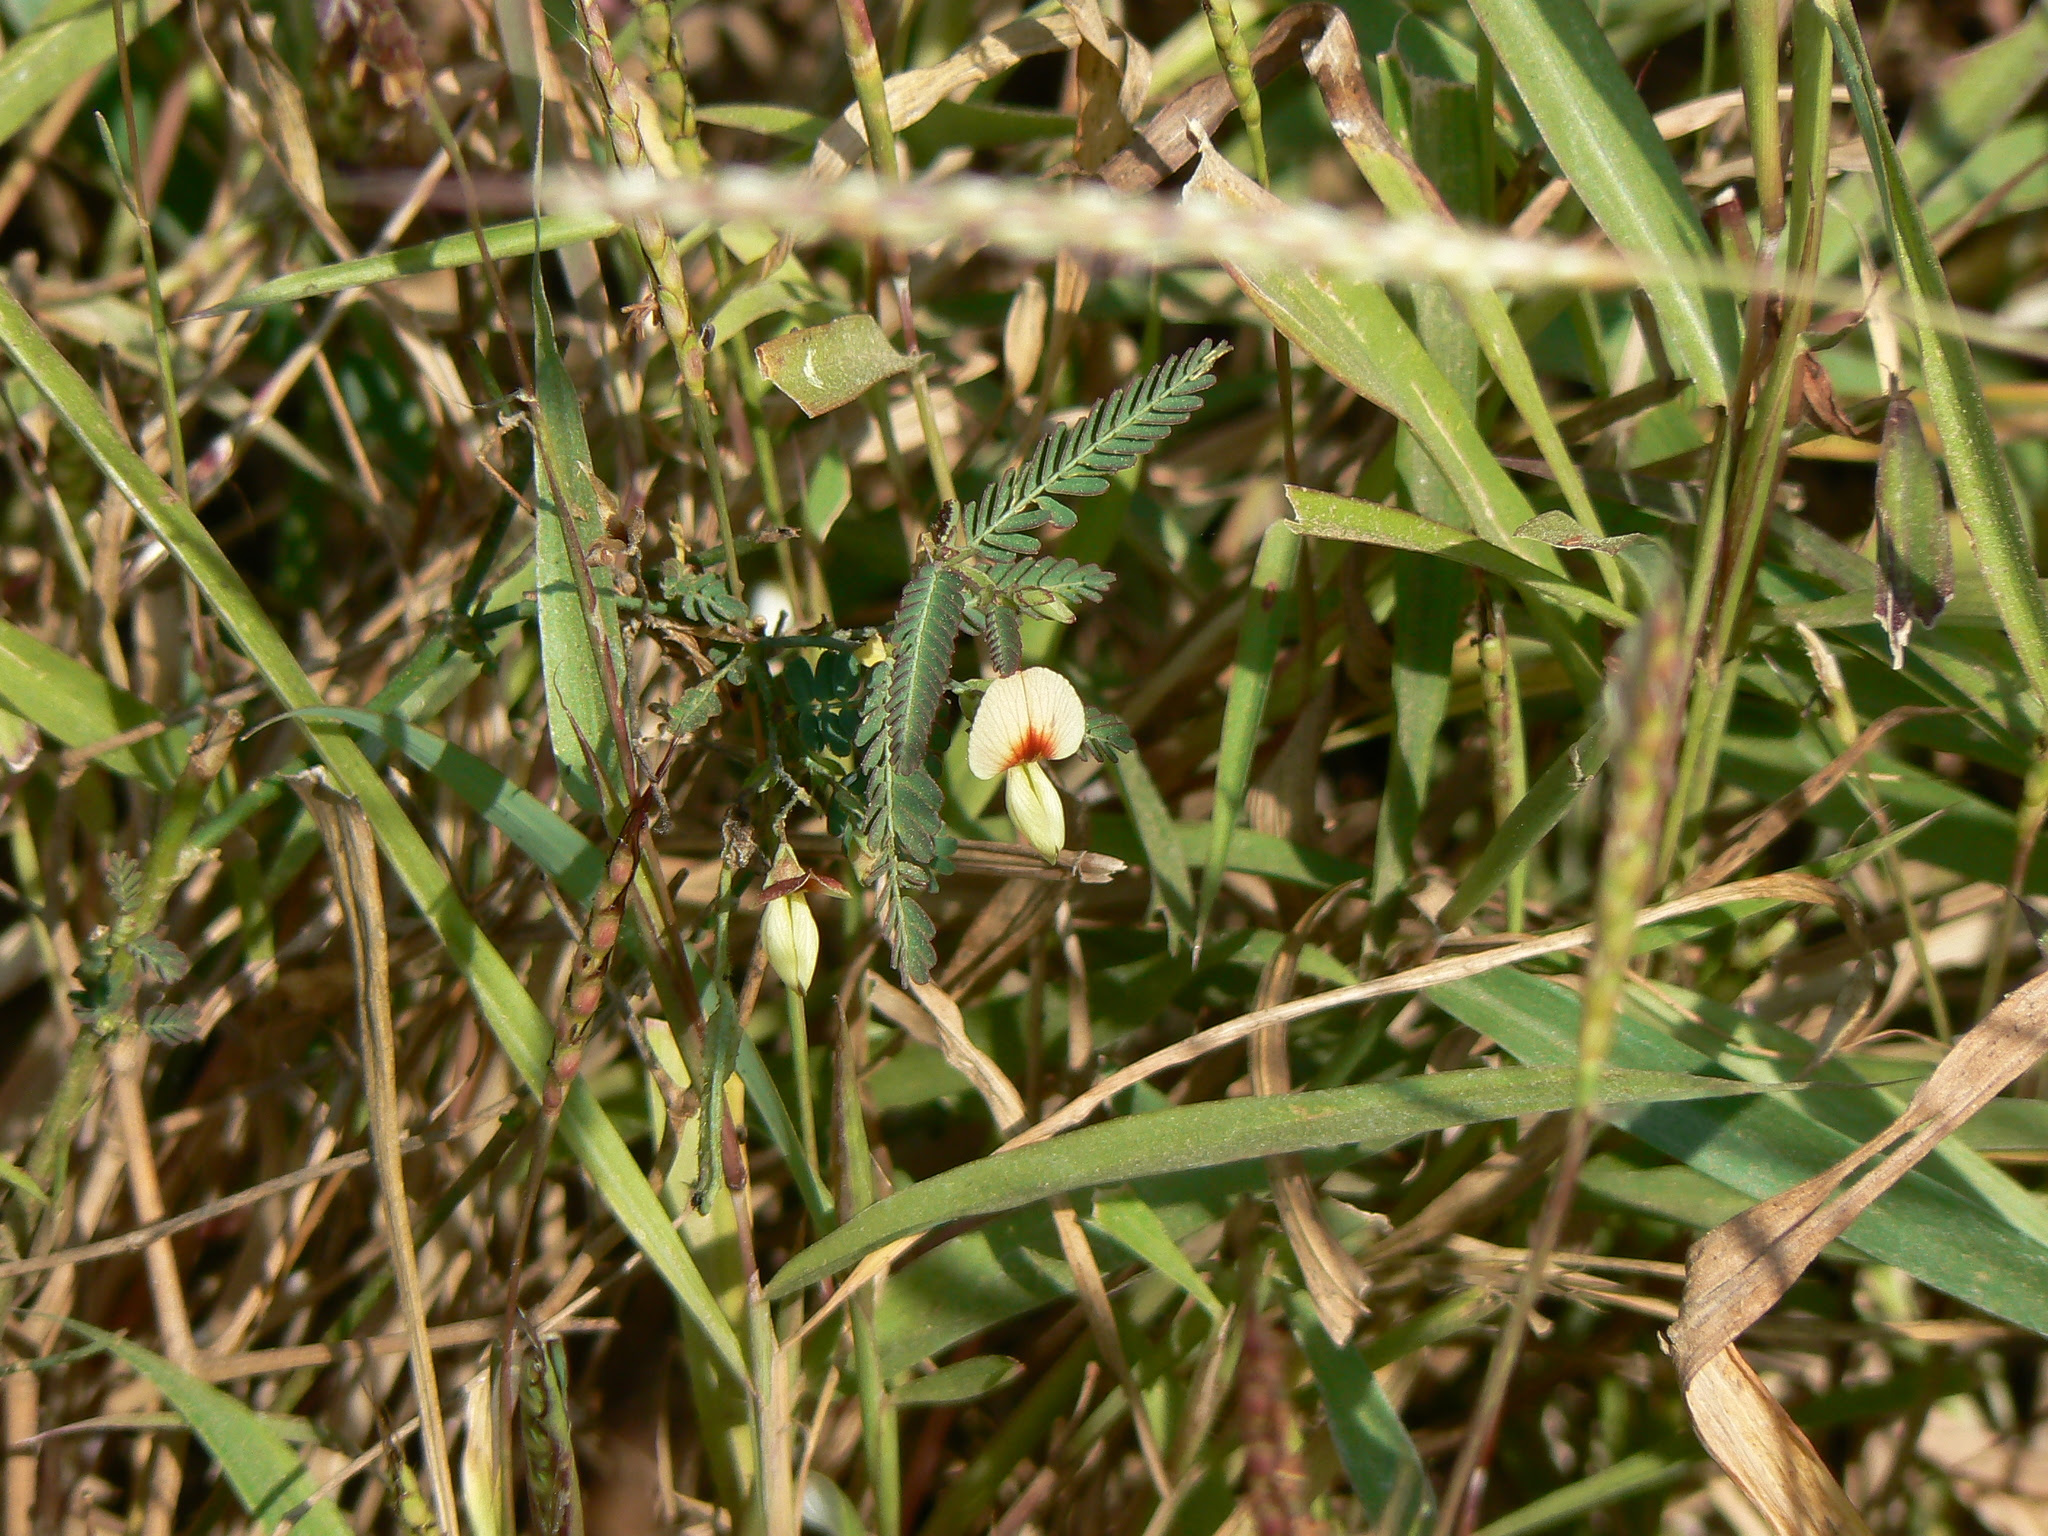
[1026,720]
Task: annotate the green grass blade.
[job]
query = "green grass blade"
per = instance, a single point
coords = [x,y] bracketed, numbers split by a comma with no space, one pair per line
[271,1482]
[1976,464]
[66,699]
[1379,1457]
[41,65]
[1933,1224]
[1258,644]
[579,703]
[1371,1116]
[504,242]
[1602,136]
[1323,515]
[519,1026]
[1172,886]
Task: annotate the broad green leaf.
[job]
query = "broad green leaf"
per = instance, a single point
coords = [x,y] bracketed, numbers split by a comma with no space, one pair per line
[70,702]
[271,1482]
[40,66]
[1936,1224]
[1372,1117]
[1267,610]
[521,1030]
[1325,516]
[822,367]
[961,1382]
[1976,464]
[505,242]
[1595,124]
[1561,531]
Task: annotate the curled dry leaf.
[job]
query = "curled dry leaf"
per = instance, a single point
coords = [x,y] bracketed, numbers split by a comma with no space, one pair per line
[1738,1272]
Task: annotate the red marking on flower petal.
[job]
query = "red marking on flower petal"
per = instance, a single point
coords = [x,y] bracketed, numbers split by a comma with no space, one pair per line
[1036,745]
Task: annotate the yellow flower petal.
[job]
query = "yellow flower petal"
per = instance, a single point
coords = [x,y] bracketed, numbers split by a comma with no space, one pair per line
[1033,716]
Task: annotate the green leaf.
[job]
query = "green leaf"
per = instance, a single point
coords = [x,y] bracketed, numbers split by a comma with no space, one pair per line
[519,1027]
[505,242]
[1596,125]
[40,66]
[826,494]
[271,1482]
[1173,887]
[571,860]
[1077,459]
[1325,516]
[1372,1117]
[961,1382]
[1937,1224]
[579,711]
[1915,565]
[70,702]
[823,367]
[19,1180]
[1385,1469]
[1267,610]
[1133,1225]
[1976,464]
[1560,530]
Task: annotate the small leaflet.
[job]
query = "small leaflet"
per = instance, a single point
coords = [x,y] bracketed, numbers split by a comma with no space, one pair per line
[823,367]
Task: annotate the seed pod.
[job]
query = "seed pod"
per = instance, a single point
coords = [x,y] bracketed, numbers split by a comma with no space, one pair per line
[1915,567]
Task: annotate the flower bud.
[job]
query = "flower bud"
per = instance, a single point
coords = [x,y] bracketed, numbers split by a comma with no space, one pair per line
[790,935]
[1035,810]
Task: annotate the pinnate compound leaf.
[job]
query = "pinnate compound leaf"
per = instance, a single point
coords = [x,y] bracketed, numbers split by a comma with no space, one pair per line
[1076,459]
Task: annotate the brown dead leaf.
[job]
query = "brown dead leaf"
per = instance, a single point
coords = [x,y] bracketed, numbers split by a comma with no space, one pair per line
[1740,1270]
[1751,1435]
[1336,1282]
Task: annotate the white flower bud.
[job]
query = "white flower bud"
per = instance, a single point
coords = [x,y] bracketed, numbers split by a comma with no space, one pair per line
[1036,811]
[790,935]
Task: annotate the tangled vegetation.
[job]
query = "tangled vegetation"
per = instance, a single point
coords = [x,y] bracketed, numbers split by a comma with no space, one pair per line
[1156,767]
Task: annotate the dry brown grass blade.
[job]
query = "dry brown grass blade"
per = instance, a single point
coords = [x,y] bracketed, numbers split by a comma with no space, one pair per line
[933,1018]
[1754,1439]
[1740,1270]
[1166,144]
[1336,1282]
[1771,823]
[1737,1272]
[352,852]
[1093,1295]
